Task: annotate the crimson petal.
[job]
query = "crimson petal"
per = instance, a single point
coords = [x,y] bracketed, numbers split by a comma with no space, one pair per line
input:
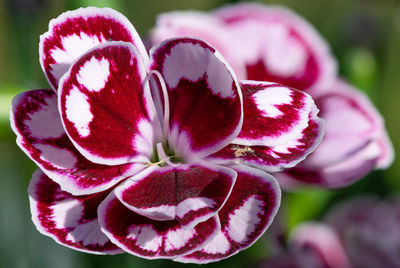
[204,96]
[355,141]
[280,128]
[151,239]
[69,220]
[249,211]
[75,32]
[187,193]
[106,107]
[40,134]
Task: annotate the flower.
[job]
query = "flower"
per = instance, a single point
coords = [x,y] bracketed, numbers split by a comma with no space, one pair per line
[321,249]
[147,154]
[369,230]
[274,44]
[360,232]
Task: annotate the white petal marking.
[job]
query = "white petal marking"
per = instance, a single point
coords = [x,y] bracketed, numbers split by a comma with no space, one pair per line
[78,111]
[74,46]
[219,79]
[58,157]
[182,58]
[193,204]
[217,245]
[178,238]
[94,74]
[67,213]
[143,142]
[89,233]
[45,123]
[146,237]
[267,99]
[243,220]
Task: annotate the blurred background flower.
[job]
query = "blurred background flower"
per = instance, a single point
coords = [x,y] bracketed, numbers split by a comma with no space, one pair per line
[363,34]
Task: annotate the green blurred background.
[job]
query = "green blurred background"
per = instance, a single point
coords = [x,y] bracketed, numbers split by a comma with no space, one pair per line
[363,34]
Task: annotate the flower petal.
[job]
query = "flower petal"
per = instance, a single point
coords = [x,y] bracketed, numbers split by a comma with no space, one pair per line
[188,193]
[278,45]
[387,152]
[147,238]
[280,128]
[106,107]
[273,114]
[249,211]
[314,242]
[75,32]
[69,220]
[353,144]
[261,43]
[40,134]
[201,25]
[204,96]
[273,159]
[337,175]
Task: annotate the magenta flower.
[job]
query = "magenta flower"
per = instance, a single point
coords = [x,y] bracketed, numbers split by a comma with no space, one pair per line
[147,154]
[311,245]
[274,44]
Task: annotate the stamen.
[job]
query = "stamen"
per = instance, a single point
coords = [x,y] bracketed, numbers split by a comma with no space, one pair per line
[166,101]
[163,156]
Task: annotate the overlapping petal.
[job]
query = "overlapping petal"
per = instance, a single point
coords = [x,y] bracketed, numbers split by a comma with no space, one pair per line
[75,32]
[40,134]
[148,238]
[355,141]
[249,211]
[106,106]
[188,193]
[69,220]
[262,43]
[280,128]
[203,95]
[315,243]
[153,122]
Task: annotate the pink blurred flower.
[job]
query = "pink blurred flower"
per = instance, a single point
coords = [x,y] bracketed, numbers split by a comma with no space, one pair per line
[269,43]
[360,233]
[140,153]
[311,245]
[369,230]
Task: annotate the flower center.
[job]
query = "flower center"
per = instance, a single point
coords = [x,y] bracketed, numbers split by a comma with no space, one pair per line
[165,157]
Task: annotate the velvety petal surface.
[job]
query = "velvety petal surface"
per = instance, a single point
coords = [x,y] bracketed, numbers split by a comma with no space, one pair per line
[75,32]
[353,144]
[273,159]
[277,45]
[106,107]
[249,211]
[273,114]
[280,128]
[69,220]
[205,100]
[188,193]
[148,238]
[36,122]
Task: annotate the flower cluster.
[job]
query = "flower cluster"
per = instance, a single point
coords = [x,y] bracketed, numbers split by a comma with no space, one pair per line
[274,44]
[161,155]
[362,232]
